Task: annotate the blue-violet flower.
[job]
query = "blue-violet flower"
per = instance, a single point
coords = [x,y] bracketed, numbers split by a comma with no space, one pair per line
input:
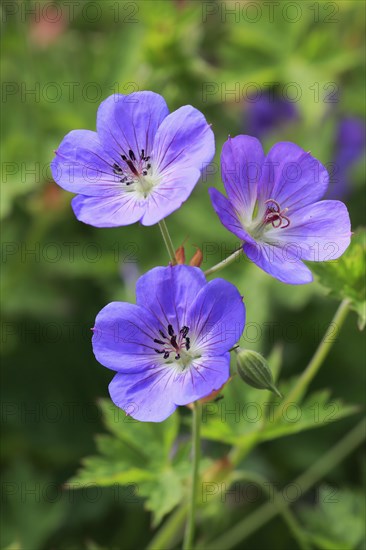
[172,347]
[140,165]
[273,207]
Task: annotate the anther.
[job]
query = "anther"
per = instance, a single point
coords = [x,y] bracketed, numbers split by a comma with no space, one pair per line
[131,154]
[184,331]
[117,168]
[170,330]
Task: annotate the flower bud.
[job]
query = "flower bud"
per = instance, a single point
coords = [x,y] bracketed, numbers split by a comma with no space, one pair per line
[254,370]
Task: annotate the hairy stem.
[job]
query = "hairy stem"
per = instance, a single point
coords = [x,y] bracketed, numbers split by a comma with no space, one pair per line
[287,514]
[225,262]
[316,362]
[170,532]
[196,455]
[168,241]
[305,481]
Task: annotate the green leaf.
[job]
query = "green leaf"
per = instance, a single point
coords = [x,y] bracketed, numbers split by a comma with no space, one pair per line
[338,521]
[152,440]
[248,418]
[137,453]
[316,411]
[345,277]
[163,494]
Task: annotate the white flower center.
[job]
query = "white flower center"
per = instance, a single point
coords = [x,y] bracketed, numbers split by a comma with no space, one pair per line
[136,175]
[269,214]
[176,349]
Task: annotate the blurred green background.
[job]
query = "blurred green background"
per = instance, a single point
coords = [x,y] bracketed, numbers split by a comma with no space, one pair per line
[59,60]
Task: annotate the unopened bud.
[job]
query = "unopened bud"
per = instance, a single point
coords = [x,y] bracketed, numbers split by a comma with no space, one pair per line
[254,370]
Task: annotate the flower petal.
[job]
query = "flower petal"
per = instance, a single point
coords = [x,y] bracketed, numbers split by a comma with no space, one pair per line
[279,262]
[202,377]
[130,122]
[112,211]
[168,196]
[216,319]
[242,158]
[145,396]
[227,215]
[185,140]
[319,232]
[167,292]
[292,177]
[123,337]
[82,166]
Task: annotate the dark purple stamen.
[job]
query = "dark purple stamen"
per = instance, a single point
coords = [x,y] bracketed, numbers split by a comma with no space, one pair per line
[173,342]
[132,168]
[136,169]
[117,169]
[184,331]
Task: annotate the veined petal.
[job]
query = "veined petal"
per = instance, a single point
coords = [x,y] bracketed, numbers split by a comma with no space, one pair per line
[145,396]
[216,318]
[185,140]
[82,165]
[168,292]
[130,122]
[175,187]
[201,378]
[227,215]
[123,337]
[319,232]
[279,262]
[292,177]
[242,158]
[111,211]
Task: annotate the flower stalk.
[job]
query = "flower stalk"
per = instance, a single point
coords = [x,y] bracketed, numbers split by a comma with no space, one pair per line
[196,455]
[221,265]
[317,360]
[168,242]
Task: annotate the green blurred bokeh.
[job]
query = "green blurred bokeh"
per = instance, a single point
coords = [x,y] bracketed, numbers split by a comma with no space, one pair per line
[60,59]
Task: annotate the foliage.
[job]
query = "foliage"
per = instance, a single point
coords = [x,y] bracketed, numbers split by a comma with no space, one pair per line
[58,273]
[345,278]
[338,520]
[141,455]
